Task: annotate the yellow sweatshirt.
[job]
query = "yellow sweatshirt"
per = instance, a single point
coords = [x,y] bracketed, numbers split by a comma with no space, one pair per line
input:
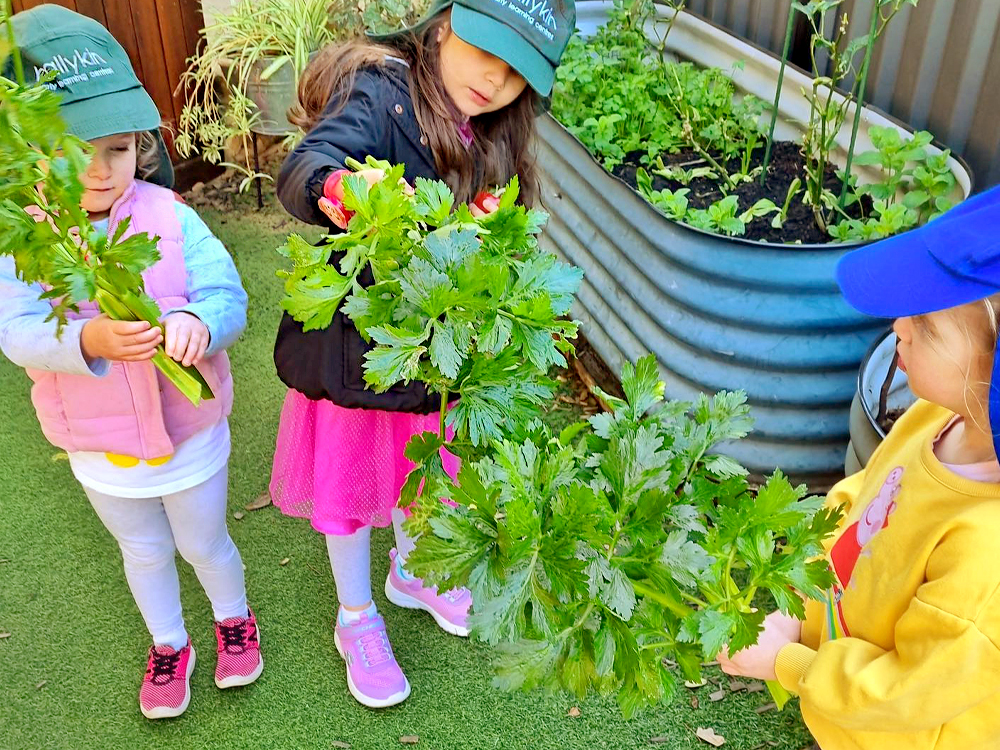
[906,651]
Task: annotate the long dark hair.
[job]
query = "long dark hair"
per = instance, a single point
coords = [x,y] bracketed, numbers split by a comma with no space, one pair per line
[502,144]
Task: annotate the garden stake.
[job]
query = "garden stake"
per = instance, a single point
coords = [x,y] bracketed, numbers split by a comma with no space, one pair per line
[859,100]
[789,28]
[256,169]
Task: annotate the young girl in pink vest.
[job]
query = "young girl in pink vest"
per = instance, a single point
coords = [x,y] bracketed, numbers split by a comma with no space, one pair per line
[153,466]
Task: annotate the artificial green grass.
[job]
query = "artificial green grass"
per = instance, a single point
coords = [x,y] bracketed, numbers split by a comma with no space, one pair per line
[71,666]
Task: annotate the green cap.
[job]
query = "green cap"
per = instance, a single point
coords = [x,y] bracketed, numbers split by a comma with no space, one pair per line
[529,35]
[101,94]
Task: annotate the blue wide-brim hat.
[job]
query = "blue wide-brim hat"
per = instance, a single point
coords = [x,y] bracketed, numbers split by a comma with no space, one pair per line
[950,261]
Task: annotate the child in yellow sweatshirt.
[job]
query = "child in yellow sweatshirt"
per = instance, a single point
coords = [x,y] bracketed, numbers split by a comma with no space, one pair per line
[905,652]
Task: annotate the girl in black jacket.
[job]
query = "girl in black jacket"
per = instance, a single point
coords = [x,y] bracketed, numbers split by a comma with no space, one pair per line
[453,98]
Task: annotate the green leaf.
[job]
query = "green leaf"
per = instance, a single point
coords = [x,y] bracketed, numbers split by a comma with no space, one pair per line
[604,651]
[714,628]
[444,351]
[434,200]
[386,366]
[686,560]
[313,299]
[426,288]
[422,446]
[642,385]
[449,247]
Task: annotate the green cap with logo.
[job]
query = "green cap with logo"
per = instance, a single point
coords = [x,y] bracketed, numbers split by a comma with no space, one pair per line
[529,35]
[101,94]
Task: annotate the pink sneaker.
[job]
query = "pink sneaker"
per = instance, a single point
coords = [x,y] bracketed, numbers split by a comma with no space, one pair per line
[450,610]
[239,660]
[166,688]
[373,675]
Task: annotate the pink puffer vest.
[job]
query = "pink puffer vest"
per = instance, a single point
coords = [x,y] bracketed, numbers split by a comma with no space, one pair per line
[134,410]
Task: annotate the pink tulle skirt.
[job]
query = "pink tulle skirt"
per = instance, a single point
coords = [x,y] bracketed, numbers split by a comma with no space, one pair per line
[343,468]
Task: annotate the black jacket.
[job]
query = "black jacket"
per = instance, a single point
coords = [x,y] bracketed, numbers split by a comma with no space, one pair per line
[377,120]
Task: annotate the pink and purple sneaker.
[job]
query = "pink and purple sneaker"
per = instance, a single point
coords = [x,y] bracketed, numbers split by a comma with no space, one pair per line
[238,652]
[373,675]
[450,610]
[166,688]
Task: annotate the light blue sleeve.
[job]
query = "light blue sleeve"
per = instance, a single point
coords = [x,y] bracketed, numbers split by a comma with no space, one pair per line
[29,340]
[216,295]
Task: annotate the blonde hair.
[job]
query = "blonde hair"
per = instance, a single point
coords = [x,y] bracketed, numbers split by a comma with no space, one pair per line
[979,322]
[501,147]
[147,153]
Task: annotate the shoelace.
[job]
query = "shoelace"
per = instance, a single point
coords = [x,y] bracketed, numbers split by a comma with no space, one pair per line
[375,648]
[163,665]
[455,595]
[233,637]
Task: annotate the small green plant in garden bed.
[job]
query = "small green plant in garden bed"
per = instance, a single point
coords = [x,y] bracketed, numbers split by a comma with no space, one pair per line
[636,110]
[594,555]
[49,235]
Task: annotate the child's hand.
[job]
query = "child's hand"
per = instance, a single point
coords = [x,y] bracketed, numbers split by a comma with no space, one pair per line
[334,209]
[758,661]
[186,338]
[119,340]
[373,176]
[484,205]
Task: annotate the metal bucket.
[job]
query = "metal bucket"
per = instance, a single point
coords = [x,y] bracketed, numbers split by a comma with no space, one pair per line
[866,433]
[273,96]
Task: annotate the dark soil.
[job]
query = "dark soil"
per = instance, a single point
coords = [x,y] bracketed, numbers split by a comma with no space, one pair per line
[890,418]
[786,164]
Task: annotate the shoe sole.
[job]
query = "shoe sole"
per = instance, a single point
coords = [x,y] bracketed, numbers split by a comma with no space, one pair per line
[166,712]
[366,700]
[239,680]
[402,599]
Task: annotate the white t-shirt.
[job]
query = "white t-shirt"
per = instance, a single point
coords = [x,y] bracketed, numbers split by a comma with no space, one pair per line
[194,461]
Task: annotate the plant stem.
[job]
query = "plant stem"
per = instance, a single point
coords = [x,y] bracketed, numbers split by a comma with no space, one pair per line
[719,168]
[859,101]
[14,51]
[443,414]
[789,28]
[656,644]
[727,577]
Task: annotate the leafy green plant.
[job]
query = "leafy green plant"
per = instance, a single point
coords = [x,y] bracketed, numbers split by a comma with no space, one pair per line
[470,307]
[610,88]
[674,203]
[716,125]
[253,38]
[724,215]
[827,111]
[782,216]
[925,182]
[600,556]
[618,93]
[680,174]
[886,220]
[50,236]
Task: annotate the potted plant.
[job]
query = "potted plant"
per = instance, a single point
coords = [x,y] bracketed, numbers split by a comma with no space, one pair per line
[686,254]
[245,76]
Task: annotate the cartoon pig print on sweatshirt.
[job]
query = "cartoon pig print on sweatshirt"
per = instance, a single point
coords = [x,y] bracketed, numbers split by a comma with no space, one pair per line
[854,541]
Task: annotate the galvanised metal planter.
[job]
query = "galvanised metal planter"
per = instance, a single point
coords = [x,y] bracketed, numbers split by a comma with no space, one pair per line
[718,312]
